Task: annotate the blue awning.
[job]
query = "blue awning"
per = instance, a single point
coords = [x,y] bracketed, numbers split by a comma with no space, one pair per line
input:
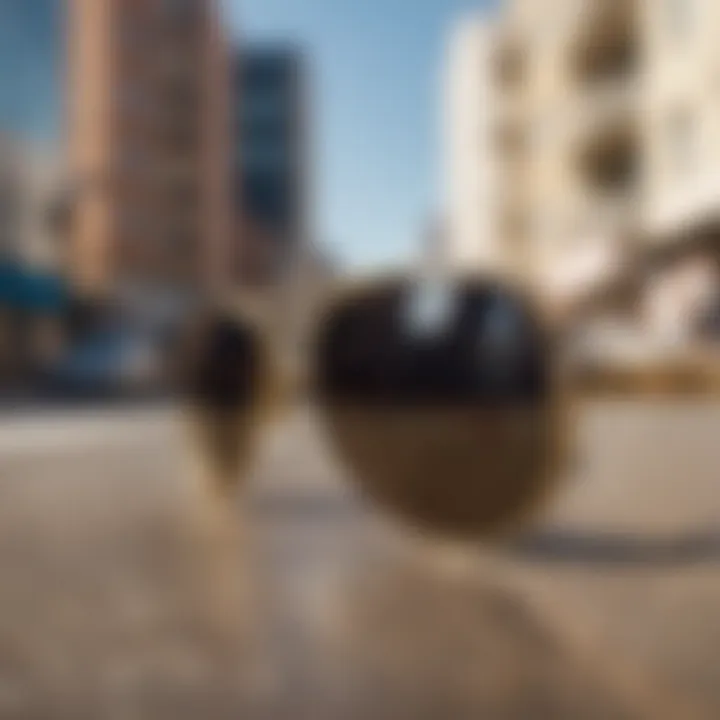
[31,291]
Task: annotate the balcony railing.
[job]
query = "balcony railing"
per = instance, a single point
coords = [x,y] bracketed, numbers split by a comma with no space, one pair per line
[605,104]
[614,217]
[586,22]
[683,207]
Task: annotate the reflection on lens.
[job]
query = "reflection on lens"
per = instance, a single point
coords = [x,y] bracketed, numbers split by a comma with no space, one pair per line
[443,406]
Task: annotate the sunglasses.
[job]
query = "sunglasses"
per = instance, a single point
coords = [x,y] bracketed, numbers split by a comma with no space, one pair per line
[450,404]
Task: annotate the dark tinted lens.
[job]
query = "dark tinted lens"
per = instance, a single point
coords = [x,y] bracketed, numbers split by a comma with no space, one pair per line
[440,402]
[226,371]
[410,345]
[224,374]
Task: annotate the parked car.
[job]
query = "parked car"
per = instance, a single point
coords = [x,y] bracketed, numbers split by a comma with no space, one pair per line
[109,363]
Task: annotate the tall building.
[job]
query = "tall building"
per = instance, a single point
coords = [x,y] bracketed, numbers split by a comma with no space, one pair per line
[31,68]
[471,236]
[271,155]
[603,140]
[149,146]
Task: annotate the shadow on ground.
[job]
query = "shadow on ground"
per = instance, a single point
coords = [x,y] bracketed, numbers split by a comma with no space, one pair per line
[615,548]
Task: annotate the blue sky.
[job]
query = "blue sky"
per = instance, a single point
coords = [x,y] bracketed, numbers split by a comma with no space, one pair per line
[30,72]
[377,68]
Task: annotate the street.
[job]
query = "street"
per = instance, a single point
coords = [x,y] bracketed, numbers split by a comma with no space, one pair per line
[130,591]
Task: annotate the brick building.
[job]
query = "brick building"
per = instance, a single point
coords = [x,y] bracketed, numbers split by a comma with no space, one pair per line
[148,129]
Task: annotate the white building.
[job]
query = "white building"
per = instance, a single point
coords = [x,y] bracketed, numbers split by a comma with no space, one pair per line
[30,182]
[470,233]
[583,135]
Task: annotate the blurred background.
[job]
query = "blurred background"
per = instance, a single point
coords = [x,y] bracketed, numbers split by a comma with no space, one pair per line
[153,155]
[150,160]
[159,154]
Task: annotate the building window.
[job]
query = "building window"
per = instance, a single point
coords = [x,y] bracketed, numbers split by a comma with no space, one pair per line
[184,195]
[516,223]
[511,66]
[133,160]
[180,7]
[183,94]
[181,17]
[511,139]
[181,239]
[264,157]
[133,102]
[264,107]
[611,167]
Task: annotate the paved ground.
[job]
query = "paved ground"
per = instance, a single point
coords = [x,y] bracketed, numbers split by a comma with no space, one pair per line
[129,592]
